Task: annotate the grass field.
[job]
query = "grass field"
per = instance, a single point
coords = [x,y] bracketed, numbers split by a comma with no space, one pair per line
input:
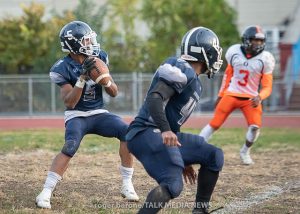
[92,182]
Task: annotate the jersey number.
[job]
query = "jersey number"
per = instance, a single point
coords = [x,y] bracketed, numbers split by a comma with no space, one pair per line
[245,78]
[186,110]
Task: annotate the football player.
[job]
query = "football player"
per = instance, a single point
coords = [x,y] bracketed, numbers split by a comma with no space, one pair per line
[154,136]
[248,67]
[84,112]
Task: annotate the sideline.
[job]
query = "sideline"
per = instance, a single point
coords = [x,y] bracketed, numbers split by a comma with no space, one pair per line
[259,198]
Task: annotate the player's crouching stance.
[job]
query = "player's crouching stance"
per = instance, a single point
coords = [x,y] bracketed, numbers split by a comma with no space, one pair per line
[154,136]
[84,105]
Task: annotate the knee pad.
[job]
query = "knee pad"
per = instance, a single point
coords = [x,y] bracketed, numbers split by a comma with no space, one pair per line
[123,132]
[252,133]
[70,148]
[175,187]
[218,159]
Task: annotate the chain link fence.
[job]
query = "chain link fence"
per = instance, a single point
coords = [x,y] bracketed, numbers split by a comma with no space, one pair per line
[30,95]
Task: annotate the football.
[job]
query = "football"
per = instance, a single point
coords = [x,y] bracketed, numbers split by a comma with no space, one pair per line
[100,72]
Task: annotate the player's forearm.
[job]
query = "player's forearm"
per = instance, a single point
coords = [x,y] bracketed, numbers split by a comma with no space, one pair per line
[156,110]
[72,98]
[267,82]
[265,92]
[111,89]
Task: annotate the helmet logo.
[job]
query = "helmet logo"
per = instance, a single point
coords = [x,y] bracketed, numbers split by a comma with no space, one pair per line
[69,34]
[215,42]
[259,35]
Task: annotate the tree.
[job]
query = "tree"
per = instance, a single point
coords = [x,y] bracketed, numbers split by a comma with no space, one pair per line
[30,45]
[88,12]
[43,63]
[168,21]
[124,46]
[27,43]
[20,39]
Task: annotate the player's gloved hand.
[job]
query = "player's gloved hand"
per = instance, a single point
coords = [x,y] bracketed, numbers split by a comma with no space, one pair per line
[87,65]
[170,139]
[84,77]
[255,101]
[189,174]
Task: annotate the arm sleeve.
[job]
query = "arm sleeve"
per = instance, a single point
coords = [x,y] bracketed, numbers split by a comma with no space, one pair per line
[266,83]
[155,103]
[226,80]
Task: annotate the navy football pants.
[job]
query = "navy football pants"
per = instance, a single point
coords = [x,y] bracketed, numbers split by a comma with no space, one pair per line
[104,124]
[165,164]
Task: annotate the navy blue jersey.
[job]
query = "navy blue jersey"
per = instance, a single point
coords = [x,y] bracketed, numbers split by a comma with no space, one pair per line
[179,75]
[67,71]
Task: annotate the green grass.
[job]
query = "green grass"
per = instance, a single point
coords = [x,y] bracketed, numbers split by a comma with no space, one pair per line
[269,138]
[53,140]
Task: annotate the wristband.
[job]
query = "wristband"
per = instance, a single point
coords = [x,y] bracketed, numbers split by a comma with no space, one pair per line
[80,83]
[108,84]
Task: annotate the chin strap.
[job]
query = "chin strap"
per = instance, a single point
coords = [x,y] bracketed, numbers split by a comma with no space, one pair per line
[210,74]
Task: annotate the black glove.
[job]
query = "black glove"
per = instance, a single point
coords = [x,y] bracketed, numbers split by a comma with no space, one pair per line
[87,65]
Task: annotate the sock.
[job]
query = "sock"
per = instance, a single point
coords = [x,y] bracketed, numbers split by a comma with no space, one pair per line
[51,180]
[245,148]
[126,174]
[156,200]
[207,180]
[207,132]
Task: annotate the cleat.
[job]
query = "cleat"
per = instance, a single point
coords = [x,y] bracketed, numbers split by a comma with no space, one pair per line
[129,193]
[43,199]
[245,158]
[200,211]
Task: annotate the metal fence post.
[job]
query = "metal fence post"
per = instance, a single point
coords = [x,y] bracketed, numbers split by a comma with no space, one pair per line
[140,88]
[53,98]
[134,91]
[30,96]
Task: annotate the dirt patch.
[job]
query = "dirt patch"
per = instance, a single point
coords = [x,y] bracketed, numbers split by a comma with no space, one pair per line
[92,184]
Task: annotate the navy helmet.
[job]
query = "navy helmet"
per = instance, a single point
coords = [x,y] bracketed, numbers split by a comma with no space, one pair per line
[253,32]
[201,44]
[77,37]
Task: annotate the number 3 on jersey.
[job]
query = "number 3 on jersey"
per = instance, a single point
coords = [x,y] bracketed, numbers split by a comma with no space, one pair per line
[244,81]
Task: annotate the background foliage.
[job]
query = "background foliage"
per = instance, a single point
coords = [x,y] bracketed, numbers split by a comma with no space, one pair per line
[29,44]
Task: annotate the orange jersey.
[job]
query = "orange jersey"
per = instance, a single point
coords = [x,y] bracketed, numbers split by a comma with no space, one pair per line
[243,76]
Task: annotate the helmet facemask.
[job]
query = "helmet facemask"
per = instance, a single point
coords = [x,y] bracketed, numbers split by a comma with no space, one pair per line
[253,48]
[89,44]
[213,60]
[200,44]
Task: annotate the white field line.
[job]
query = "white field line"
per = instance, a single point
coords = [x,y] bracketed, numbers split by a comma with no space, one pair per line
[237,206]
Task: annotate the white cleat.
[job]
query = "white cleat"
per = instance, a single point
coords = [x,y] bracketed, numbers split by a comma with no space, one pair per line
[245,158]
[43,199]
[129,193]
